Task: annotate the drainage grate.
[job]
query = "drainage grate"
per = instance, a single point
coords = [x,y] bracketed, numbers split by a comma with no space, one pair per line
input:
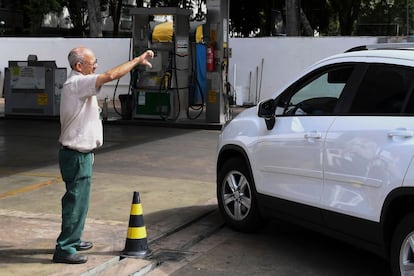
[166,255]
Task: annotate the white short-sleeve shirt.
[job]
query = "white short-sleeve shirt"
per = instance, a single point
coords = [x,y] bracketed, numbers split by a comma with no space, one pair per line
[81,125]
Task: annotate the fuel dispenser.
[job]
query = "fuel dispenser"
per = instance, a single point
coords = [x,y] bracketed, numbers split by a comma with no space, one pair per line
[161,91]
[186,72]
[32,87]
[218,52]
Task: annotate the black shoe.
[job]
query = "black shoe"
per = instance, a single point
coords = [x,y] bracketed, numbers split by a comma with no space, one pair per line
[70,259]
[84,245]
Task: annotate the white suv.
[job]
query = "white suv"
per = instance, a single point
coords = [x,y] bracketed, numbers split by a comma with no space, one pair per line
[333,151]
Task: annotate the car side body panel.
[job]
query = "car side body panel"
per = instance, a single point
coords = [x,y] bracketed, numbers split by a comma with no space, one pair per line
[243,130]
[288,159]
[365,158]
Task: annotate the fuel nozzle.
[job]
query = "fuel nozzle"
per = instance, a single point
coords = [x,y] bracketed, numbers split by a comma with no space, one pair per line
[167,79]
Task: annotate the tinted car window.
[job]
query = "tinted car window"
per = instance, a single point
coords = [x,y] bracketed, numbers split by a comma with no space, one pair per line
[320,94]
[384,90]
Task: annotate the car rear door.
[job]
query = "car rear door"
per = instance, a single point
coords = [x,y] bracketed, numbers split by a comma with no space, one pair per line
[369,147]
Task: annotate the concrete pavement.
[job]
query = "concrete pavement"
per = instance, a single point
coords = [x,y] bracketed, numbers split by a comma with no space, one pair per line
[171,168]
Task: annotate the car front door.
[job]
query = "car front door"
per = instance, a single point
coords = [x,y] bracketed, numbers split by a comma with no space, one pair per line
[289,158]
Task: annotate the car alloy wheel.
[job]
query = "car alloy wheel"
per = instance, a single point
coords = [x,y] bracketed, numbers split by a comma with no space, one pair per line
[402,247]
[407,255]
[237,195]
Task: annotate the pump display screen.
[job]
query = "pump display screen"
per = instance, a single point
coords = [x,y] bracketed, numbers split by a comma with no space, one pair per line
[27,77]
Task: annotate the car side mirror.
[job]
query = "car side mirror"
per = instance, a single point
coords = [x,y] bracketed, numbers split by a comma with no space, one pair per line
[267,111]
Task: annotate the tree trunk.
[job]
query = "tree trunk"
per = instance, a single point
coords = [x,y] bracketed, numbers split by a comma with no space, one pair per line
[292,17]
[115,8]
[348,12]
[76,11]
[95,18]
[307,28]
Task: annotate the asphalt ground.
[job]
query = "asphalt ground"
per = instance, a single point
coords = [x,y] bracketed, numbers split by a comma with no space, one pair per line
[172,168]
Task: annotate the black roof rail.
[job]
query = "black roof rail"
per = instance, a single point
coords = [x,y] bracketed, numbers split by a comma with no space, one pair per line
[357,48]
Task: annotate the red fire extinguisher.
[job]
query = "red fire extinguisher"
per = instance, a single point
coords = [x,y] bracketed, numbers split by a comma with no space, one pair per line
[210,58]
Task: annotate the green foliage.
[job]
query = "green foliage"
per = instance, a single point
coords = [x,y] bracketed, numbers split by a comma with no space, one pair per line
[250,16]
[244,16]
[329,17]
[78,11]
[247,17]
[317,12]
[36,9]
[391,14]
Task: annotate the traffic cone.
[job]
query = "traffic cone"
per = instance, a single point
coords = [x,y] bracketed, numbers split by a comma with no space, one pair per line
[136,240]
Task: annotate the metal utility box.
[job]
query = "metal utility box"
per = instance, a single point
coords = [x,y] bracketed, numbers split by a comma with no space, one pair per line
[32,87]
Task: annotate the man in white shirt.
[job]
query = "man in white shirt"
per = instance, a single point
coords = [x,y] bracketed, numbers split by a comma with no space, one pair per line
[81,133]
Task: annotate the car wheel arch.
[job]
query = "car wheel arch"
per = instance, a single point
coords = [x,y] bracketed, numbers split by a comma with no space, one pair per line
[232,151]
[397,205]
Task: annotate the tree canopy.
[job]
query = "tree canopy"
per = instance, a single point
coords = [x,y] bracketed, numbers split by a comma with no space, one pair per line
[247,18]
[327,17]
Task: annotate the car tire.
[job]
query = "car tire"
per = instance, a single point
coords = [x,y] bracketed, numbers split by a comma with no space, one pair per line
[236,196]
[402,247]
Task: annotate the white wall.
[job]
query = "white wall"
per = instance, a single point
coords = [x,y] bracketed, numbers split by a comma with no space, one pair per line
[109,52]
[283,58]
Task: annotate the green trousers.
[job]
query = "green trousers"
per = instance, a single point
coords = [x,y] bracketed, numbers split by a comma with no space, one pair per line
[76,170]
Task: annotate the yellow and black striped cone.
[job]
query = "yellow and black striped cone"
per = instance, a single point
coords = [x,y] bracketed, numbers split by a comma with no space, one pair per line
[136,241]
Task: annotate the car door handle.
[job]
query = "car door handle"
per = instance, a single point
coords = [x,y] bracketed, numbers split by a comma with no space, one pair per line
[401,133]
[313,135]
